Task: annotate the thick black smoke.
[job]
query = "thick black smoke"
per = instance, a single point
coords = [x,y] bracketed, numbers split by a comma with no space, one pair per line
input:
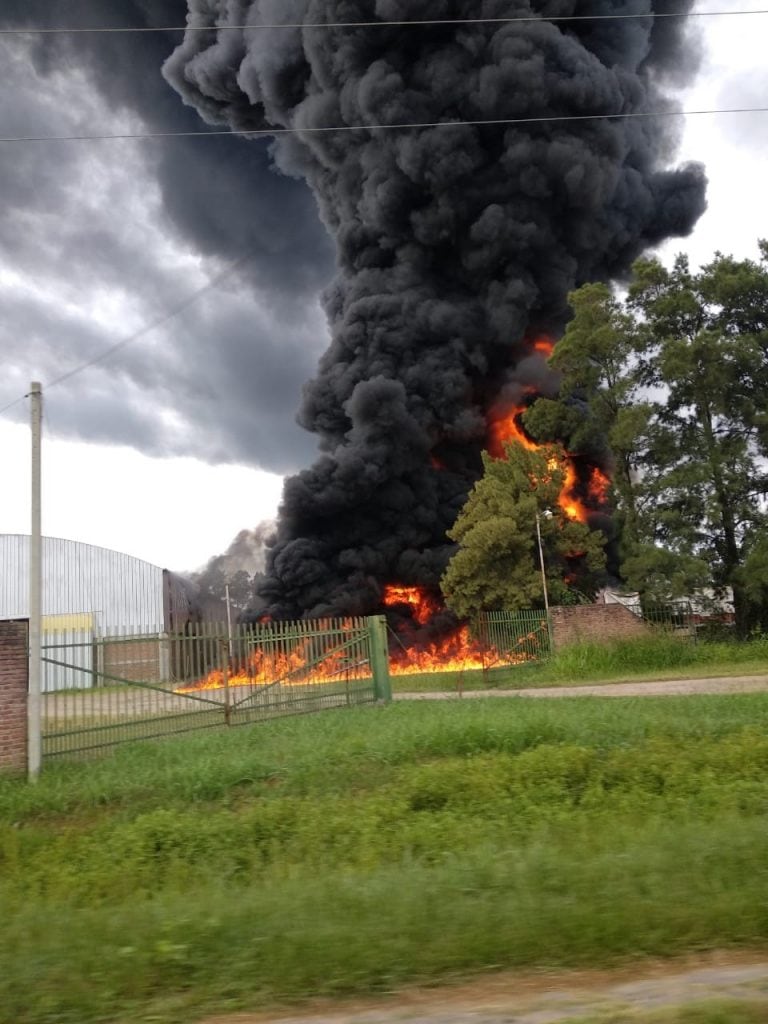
[455,244]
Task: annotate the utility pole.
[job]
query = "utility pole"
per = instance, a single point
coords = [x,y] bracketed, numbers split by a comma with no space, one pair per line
[34,744]
[548,514]
[229,620]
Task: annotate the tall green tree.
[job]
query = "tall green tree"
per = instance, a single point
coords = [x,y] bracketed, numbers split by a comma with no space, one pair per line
[702,351]
[497,562]
[601,411]
[674,379]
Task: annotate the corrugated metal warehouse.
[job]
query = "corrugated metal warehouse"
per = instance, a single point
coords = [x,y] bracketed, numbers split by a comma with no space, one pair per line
[115,589]
[89,593]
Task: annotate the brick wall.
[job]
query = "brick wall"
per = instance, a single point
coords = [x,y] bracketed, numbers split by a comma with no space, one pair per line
[14,668]
[594,623]
[138,660]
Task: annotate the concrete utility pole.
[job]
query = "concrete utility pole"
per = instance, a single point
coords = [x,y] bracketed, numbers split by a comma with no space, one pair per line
[548,515]
[229,620]
[34,743]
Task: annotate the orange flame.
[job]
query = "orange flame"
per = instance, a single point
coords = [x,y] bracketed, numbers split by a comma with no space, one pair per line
[269,663]
[506,428]
[598,485]
[544,345]
[423,605]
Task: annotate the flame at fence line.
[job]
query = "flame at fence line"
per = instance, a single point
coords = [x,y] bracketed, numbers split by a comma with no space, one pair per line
[268,663]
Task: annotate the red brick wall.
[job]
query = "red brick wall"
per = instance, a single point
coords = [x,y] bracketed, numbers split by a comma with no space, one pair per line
[594,623]
[14,667]
[138,660]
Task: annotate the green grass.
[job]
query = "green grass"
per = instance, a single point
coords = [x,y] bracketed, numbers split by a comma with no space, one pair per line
[363,849]
[658,657]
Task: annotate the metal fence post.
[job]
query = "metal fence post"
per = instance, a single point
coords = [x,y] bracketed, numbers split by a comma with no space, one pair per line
[379,655]
[224,660]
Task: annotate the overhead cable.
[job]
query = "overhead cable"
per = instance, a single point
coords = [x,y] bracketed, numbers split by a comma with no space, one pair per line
[378,24]
[147,328]
[404,125]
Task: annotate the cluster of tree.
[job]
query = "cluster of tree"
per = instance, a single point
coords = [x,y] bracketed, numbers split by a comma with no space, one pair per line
[668,387]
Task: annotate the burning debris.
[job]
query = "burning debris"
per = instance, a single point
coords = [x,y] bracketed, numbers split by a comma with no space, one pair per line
[457,244]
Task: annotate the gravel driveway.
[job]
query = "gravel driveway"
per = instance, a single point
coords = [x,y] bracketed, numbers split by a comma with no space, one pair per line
[660,688]
[549,998]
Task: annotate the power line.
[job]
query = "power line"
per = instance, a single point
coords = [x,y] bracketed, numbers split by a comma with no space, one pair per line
[10,405]
[479,123]
[378,24]
[147,328]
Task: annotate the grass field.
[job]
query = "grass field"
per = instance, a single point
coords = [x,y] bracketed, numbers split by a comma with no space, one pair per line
[658,657]
[355,851]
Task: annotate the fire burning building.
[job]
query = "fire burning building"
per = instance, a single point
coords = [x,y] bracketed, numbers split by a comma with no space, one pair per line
[472,171]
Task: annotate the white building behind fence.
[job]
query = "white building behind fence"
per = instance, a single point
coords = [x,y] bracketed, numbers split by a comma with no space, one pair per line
[89,594]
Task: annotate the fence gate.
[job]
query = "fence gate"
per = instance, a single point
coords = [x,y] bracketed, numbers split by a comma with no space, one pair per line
[136,686]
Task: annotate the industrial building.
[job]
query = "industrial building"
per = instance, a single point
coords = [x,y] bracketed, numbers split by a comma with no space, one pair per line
[90,594]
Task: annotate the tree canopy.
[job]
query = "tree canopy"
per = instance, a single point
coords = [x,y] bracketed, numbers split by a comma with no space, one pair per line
[497,564]
[673,380]
[667,386]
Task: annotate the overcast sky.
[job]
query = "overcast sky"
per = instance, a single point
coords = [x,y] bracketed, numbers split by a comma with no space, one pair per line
[171,446]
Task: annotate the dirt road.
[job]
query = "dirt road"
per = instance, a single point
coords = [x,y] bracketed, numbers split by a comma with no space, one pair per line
[660,688]
[550,998]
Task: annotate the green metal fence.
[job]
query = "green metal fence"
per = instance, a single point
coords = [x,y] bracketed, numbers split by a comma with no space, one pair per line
[490,641]
[513,638]
[128,687]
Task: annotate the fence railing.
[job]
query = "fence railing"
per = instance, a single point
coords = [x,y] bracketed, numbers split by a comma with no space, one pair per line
[676,618]
[100,691]
[512,638]
[119,688]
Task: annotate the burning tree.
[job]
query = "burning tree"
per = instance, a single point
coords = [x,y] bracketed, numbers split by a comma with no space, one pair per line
[497,564]
[672,382]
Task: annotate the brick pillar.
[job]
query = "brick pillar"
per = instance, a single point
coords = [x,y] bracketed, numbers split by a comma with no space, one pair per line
[14,669]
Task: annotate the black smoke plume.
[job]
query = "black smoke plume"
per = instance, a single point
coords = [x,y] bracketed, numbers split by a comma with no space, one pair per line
[455,245]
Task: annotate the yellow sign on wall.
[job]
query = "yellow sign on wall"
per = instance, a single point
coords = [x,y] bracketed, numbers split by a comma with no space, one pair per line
[66,623]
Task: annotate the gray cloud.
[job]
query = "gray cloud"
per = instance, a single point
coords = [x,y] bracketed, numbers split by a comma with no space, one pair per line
[88,224]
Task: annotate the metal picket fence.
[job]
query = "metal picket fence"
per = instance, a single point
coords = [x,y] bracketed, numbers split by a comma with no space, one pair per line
[512,638]
[102,691]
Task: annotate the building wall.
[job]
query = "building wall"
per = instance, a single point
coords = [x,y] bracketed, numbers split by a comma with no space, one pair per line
[139,660]
[115,589]
[594,623]
[14,667]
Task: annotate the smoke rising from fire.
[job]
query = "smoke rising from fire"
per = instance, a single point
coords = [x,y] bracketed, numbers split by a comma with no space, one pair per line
[456,246]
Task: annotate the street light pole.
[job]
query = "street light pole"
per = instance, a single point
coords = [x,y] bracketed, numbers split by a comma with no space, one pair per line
[548,514]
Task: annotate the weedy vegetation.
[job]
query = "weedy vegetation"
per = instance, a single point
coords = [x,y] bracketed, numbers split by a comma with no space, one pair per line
[358,850]
[654,657]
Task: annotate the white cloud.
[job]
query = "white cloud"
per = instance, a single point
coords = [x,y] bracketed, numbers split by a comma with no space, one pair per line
[175,513]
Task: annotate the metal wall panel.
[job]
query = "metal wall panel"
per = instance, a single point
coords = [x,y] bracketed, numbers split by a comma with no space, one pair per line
[117,590]
[69,658]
